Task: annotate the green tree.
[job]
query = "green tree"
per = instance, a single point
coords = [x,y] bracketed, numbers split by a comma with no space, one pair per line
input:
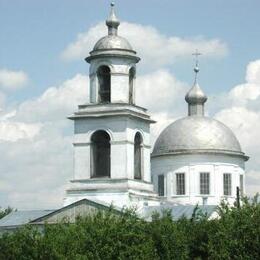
[4,212]
[235,234]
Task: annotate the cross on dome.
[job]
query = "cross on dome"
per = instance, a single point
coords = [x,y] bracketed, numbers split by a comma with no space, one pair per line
[196,68]
[196,97]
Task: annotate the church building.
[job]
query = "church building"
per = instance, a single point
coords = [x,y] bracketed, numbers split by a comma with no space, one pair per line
[196,160]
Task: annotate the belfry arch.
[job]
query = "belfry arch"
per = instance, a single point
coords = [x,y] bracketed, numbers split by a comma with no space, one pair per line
[138,147]
[100,154]
[104,83]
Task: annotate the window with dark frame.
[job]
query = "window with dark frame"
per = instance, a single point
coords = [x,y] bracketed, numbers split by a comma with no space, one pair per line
[138,156]
[241,185]
[131,84]
[161,185]
[104,80]
[204,183]
[180,183]
[227,184]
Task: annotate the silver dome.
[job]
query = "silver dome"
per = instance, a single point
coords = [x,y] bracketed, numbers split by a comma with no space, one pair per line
[112,42]
[197,134]
[195,95]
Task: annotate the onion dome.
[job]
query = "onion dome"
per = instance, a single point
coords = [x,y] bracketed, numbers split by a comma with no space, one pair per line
[196,97]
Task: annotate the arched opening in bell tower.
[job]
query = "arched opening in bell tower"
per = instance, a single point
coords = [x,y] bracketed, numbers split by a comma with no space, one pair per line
[100,154]
[131,85]
[138,145]
[104,81]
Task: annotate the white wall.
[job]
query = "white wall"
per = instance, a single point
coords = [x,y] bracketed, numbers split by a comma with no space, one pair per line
[192,165]
[119,68]
[122,131]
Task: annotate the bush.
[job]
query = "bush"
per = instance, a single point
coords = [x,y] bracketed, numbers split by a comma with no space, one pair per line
[234,235]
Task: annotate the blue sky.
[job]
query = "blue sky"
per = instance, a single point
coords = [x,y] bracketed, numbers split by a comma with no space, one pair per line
[46,87]
[33,33]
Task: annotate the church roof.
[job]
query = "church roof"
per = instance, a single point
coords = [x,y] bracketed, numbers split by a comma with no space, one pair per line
[112,44]
[178,211]
[85,207]
[69,212]
[21,217]
[197,133]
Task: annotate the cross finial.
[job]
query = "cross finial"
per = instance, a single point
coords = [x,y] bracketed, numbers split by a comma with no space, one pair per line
[196,68]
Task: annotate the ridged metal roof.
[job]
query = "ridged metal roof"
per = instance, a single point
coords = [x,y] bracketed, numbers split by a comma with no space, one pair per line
[21,217]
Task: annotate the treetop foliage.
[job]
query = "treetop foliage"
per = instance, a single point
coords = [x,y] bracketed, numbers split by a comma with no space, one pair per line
[235,234]
[4,212]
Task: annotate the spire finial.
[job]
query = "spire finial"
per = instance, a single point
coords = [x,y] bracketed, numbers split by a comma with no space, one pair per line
[196,97]
[196,68]
[112,22]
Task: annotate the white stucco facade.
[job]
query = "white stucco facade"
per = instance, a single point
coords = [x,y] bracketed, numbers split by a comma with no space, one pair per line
[192,165]
[119,69]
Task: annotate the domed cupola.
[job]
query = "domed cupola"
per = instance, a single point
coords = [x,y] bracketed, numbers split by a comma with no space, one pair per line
[197,133]
[112,44]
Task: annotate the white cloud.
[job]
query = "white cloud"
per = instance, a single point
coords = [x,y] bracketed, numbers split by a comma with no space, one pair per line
[13,131]
[56,102]
[12,80]
[253,72]
[160,91]
[36,146]
[242,115]
[155,48]
[163,95]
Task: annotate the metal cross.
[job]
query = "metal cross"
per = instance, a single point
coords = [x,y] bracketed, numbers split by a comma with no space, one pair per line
[197,54]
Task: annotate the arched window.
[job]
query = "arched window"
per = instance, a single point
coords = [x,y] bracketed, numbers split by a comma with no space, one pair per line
[131,85]
[100,153]
[138,156]
[104,81]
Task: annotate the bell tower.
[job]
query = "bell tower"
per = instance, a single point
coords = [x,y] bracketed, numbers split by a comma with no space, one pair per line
[111,133]
[112,67]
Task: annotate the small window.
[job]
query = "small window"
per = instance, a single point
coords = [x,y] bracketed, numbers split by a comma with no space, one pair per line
[138,156]
[180,183]
[161,185]
[241,185]
[131,85]
[104,81]
[204,183]
[227,184]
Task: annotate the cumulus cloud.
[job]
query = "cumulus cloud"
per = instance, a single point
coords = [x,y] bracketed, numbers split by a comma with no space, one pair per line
[11,80]
[155,48]
[163,95]
[56,102]
[36,146]
[13,131]
[242,115]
